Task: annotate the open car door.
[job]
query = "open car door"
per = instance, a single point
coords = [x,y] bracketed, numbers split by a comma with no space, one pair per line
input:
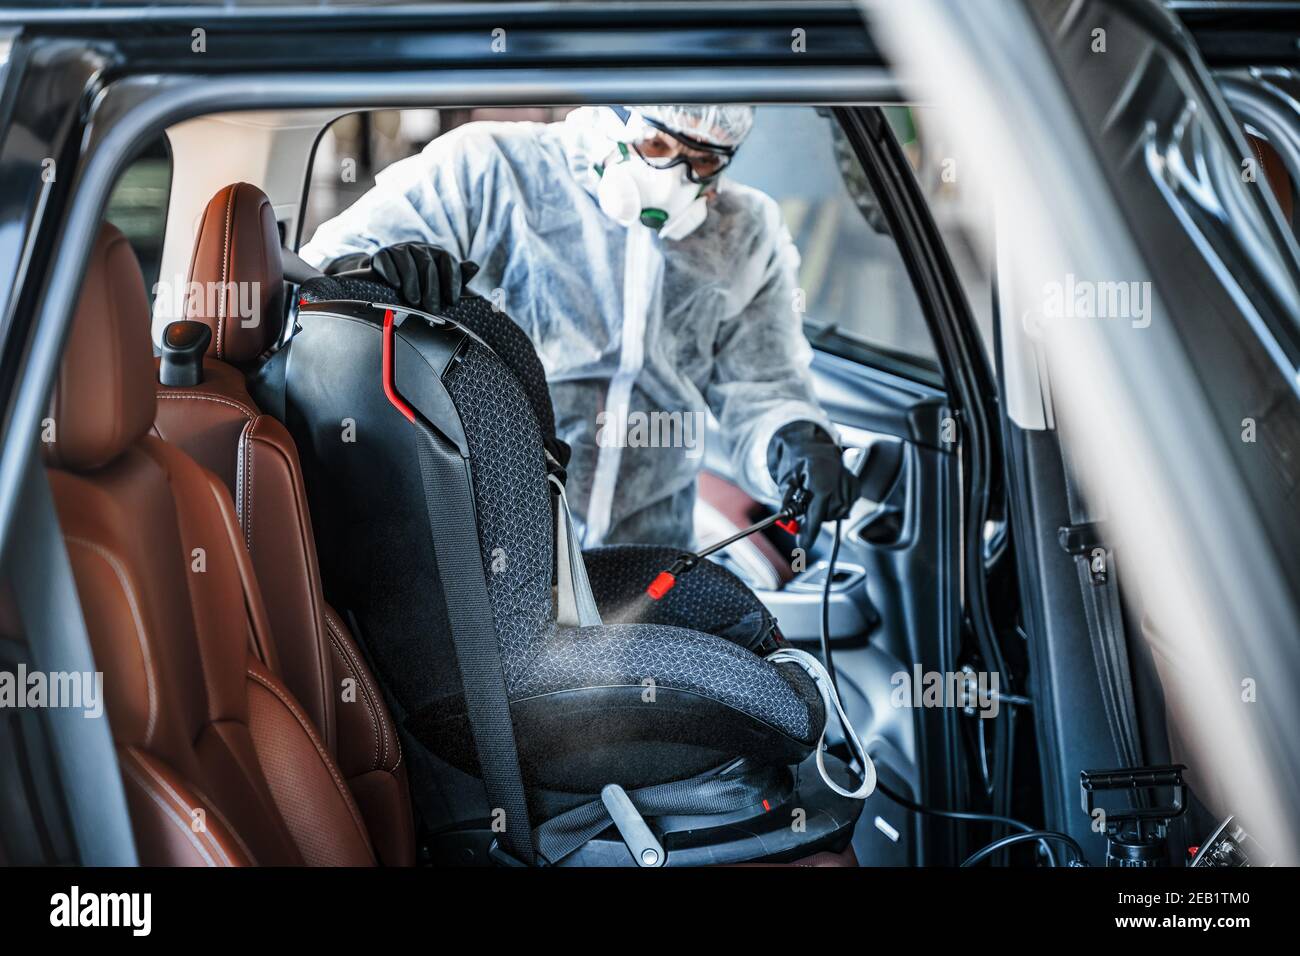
[1149,347]
[900,370]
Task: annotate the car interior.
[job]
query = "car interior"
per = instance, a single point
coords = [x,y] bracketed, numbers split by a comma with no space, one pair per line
[337,486]
[322,548]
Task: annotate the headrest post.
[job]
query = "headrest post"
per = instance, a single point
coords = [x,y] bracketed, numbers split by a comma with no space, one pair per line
[183,345]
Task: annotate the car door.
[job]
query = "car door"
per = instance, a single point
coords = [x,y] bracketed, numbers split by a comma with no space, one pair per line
[60,790]
[1207,198]
[895,606]
[1152,444]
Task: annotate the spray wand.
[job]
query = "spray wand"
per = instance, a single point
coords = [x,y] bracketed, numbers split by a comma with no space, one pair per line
[787,519]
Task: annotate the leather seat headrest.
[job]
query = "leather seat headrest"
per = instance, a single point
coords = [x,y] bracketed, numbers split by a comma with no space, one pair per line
[103,398]
[236,284]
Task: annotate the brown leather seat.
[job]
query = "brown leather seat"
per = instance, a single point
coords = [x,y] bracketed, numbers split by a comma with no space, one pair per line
[220,763]
[236,269]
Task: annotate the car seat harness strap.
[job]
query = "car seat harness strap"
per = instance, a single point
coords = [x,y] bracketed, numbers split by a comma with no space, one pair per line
[575,605]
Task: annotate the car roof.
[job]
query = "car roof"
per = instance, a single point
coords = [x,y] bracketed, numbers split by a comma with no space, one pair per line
[87,12]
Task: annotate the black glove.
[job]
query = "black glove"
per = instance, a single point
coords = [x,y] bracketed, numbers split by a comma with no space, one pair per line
[803,455]
[426,277]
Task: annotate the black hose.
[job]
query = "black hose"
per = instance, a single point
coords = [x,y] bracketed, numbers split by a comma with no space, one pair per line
[1015,838]
[898,799]
[967,815]
[826,612]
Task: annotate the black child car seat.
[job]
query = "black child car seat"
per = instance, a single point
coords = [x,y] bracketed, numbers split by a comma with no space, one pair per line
[431,470]
[712,599]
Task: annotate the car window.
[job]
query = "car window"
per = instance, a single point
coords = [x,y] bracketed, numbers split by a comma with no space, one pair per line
[355,147]
[856,287]
[138,205]
[956,199]
[857,298]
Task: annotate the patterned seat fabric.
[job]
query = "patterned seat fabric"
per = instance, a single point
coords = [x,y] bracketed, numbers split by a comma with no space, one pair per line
[629,702]
[540,658]
[710,599]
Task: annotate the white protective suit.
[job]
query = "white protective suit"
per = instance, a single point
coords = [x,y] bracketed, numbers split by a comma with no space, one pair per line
[623,321]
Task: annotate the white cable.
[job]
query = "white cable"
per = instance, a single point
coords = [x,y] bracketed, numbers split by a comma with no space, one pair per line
[822,679]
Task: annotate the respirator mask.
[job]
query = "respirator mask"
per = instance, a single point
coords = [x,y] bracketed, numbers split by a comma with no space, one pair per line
[658,177]
[662,199]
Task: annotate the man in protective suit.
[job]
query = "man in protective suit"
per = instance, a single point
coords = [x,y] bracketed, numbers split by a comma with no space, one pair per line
[653,288]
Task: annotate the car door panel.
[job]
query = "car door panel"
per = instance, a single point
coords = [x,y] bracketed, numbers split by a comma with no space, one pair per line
[893,600]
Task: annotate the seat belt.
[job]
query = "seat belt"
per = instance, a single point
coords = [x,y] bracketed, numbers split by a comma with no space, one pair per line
[454,530]
[1085,540]
[575,605]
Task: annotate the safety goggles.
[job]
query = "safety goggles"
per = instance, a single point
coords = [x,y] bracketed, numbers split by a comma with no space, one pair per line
[663,149]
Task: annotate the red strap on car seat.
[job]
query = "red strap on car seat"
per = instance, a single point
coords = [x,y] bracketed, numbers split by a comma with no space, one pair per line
[390,389]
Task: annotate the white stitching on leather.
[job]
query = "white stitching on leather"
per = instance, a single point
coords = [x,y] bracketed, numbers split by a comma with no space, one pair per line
[351,666]
[239,478]
[246,446]
[221,818]
[384,725]
[374,723]
[205,804]
[248,412]
[168,810]
[381,734]
[1259,153]
[225,266]
[320,752]
[323,664]
[124,582]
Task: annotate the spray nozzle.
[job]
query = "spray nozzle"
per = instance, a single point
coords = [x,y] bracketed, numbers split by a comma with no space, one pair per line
[794,505]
